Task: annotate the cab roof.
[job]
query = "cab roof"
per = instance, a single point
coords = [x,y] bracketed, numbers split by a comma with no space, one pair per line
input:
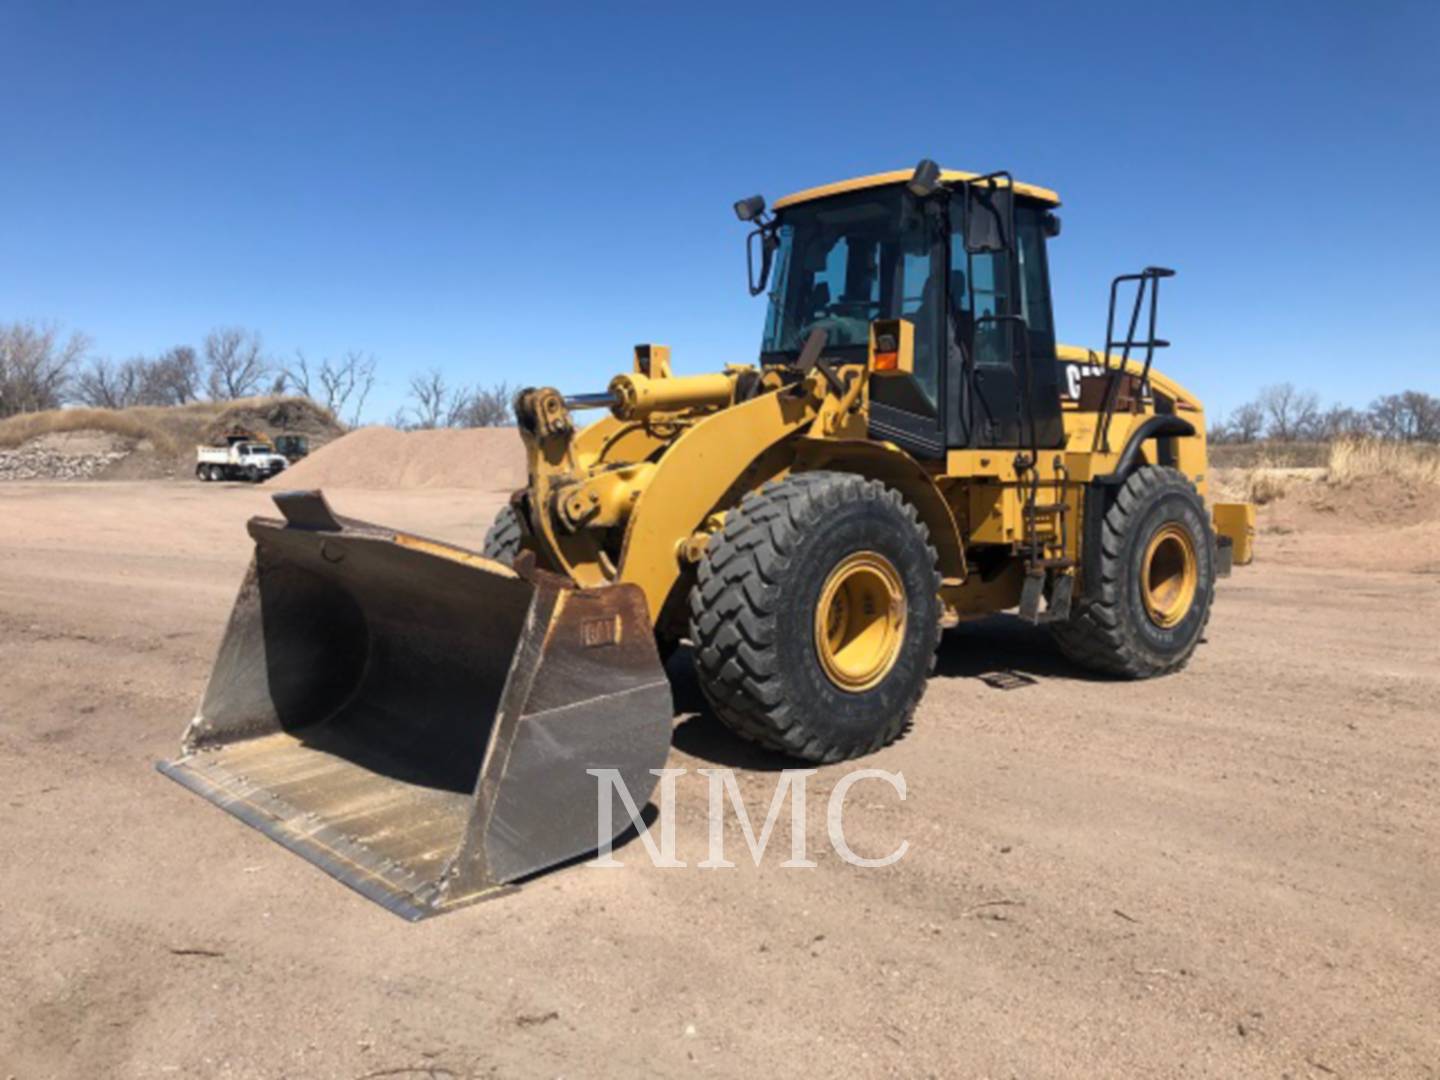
[899,176]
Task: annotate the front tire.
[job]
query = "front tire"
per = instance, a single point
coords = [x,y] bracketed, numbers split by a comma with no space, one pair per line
[1146,610]
[815,616]
[505,538]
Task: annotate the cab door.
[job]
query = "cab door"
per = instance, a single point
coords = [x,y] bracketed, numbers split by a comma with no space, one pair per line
[907,409]
[1000,307]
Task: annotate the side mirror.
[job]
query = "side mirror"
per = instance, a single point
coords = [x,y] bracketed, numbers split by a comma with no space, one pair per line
[767,242]
[989,217]
[925,180]
[751,208]
[1052,224]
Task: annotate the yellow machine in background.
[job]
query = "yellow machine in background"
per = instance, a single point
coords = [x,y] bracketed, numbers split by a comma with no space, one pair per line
[912,448]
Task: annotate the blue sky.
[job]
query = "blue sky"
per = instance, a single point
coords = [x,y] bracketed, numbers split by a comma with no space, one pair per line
[522,193]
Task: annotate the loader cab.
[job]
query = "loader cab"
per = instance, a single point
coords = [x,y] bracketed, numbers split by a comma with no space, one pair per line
[860,251]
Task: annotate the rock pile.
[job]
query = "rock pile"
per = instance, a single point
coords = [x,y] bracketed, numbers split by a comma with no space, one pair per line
[32,462]
[64,455]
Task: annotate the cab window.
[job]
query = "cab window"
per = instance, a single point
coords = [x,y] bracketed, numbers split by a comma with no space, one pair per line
[846,261]
[986,294]
[1034,276]
[989,292]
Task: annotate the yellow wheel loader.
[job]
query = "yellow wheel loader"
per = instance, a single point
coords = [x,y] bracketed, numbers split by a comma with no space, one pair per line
[912,449]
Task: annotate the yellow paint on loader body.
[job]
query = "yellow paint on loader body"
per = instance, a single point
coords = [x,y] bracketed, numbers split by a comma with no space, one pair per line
[899,176]
[703,456]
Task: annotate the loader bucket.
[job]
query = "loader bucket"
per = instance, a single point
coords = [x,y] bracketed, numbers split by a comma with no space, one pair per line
[418,720]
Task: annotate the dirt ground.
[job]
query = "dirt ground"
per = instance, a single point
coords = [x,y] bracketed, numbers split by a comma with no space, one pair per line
[1232,871]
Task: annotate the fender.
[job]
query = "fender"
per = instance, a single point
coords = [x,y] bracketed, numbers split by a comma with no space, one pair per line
[892,466]
[1157,427]
[695,474]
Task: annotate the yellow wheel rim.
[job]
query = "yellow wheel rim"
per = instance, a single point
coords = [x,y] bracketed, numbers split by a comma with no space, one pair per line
[1169,576]
[860,621]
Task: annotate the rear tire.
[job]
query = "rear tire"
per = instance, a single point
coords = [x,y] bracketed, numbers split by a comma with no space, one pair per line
[1155,581]
[815,616]
[505,538]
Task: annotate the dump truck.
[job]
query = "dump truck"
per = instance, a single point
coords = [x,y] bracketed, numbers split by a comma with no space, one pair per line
[248,458]
[911,448]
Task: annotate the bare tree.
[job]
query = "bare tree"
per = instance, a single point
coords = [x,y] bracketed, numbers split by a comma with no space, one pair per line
[170,379]
[237,365]
[1411,416]
[433,399]
[1342,422]
[1388,419]
[347,385]
[435,404]
[173,378]
[1424,410]
[1246,422]
[36,367]
[479,407]
[1292,413]
[104,384]
[297,378]
[342,385]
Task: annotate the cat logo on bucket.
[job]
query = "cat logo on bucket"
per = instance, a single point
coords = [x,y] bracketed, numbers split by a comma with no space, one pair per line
[597,632]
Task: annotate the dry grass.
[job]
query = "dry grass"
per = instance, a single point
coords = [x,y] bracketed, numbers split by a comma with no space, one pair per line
[1366,459]
[1265,478]
[127,423]
[1265,485]
[1261,484]
[1267,454]
[172,429]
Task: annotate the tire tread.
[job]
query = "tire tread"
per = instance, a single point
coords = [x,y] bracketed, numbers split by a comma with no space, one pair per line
[504,538]
[1095,636]
[734,603]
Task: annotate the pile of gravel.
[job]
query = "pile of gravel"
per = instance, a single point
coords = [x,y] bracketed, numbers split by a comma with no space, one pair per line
[381,458]
[31,462]
[68,455]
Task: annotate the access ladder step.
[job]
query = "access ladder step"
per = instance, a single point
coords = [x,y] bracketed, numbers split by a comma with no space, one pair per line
[1057,607]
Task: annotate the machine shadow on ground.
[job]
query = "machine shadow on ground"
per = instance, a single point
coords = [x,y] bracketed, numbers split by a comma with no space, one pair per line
[1004,645]
[1002,651]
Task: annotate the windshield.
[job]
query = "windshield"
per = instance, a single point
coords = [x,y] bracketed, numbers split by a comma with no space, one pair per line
[844,262]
